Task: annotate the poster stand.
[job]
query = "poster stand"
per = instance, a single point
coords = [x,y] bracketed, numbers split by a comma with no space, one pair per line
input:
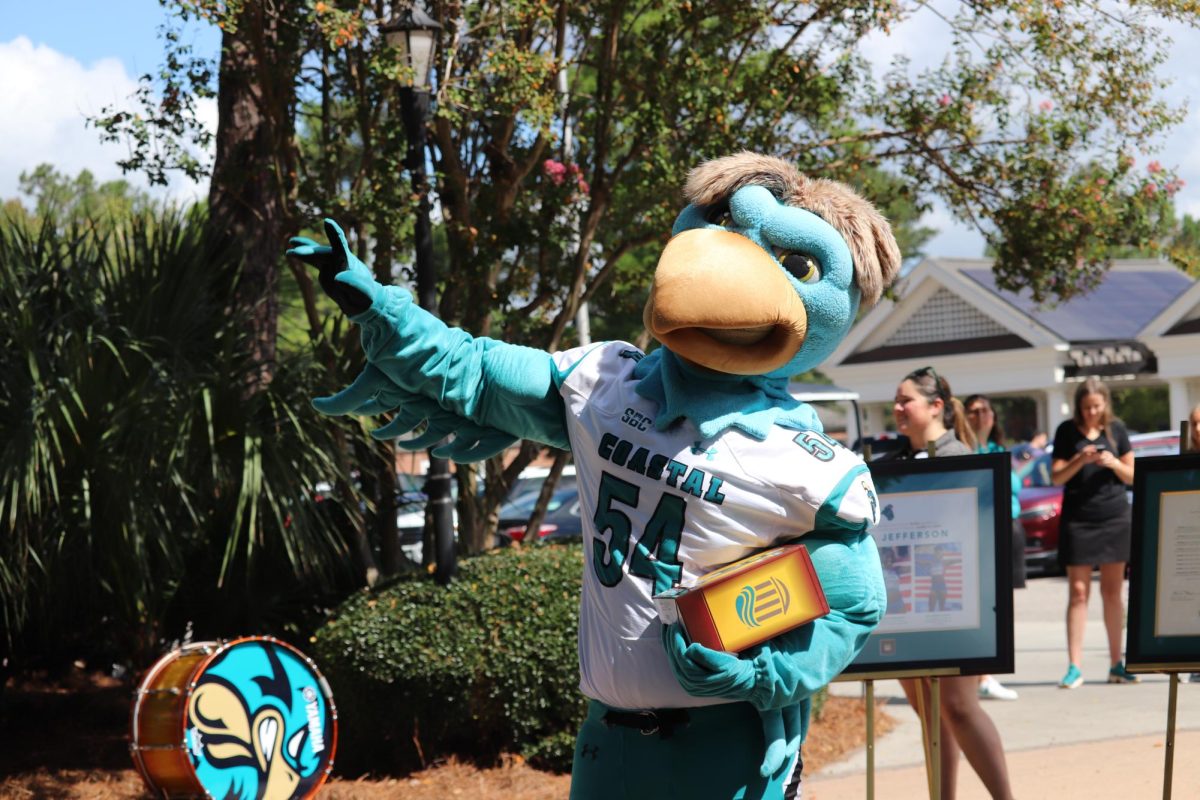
[1166,522]
[977,657]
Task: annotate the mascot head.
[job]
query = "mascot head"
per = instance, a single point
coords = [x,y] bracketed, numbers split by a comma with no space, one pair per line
[766,268]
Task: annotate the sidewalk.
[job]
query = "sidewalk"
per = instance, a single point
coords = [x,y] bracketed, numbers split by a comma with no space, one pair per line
[1097,741]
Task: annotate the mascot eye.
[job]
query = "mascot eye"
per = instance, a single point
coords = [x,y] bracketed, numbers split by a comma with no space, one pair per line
[719,215]
[293,745]
[803,267]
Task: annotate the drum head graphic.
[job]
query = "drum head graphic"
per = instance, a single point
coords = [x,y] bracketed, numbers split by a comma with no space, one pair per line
[260,723]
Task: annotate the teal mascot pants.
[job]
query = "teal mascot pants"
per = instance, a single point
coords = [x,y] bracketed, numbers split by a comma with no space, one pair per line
[707,753]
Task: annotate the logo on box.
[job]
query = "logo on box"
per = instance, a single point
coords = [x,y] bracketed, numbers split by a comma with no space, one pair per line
[755,604]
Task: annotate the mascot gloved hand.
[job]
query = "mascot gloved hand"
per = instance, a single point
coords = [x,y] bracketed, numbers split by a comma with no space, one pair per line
[778,676]
[349,283]
[687,459]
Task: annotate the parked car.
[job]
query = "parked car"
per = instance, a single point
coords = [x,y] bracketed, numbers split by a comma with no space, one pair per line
[1156,443]
[1041,506]
[560,523]
[410,515]
[531,479]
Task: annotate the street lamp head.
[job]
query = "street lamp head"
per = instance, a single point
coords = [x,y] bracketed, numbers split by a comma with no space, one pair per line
[414,34]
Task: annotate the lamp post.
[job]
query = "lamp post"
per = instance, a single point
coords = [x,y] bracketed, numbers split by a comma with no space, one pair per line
[413,33]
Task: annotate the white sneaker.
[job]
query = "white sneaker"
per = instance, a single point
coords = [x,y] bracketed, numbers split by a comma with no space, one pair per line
[992,689]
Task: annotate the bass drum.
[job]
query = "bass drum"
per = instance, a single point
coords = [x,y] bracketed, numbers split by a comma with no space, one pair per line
[250,718]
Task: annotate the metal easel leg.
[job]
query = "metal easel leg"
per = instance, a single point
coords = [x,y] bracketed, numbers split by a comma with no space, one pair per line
[870,687]
[935,737]
[1169,755]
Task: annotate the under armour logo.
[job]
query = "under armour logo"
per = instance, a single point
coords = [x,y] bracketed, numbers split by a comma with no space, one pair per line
[589,751]
[699,450]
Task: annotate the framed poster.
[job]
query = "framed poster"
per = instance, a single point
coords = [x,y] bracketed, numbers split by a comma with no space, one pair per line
[1164,577]
[945,542]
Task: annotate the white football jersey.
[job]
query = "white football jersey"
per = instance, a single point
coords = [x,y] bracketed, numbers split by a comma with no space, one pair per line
[664,508]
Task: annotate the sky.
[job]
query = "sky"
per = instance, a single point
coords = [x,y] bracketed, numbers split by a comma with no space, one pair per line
[63,60]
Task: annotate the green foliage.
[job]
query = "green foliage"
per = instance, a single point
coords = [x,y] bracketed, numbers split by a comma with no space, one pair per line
[1024,129]
[485,665]
[164,134]
[1144,408]
[1184,245]
[143,489]
[78,199]
[1058,235]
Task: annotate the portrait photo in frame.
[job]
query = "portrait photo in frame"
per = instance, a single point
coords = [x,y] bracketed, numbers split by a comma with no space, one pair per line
[945,543]
[1164,566]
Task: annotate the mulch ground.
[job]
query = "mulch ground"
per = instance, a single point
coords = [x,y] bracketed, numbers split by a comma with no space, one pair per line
[68,739]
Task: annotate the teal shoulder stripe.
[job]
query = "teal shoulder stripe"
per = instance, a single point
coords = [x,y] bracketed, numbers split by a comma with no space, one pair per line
[560,376]
[827,514]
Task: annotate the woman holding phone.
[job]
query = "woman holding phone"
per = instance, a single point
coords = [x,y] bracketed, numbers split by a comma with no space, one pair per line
[1093,461]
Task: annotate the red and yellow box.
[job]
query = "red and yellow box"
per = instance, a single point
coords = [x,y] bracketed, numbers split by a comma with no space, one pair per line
[749,601]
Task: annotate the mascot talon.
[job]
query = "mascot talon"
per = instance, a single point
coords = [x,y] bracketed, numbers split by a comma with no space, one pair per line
[782,729]
[687,459]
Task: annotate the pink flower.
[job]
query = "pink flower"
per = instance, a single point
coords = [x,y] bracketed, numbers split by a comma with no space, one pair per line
[554,170]
[582,184]
[944,100]
[1046,105]
[1150,190]
[1154,167]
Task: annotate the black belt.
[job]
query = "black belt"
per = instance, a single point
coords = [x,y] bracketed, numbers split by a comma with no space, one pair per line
[662,721]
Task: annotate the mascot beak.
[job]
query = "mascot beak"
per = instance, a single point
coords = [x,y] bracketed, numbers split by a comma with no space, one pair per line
[281,780]
[721,301]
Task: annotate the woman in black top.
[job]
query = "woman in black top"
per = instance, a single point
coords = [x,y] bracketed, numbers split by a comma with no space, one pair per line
[927,413]
[1093,461]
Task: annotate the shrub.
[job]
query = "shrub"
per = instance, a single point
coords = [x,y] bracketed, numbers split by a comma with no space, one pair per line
[485,665]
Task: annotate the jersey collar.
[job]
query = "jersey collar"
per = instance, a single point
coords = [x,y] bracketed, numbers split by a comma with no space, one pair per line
[715,402]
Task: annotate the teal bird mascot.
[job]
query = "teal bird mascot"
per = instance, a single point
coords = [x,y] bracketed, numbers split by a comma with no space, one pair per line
[687,459]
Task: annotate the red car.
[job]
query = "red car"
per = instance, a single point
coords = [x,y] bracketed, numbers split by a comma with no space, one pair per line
[1041,505]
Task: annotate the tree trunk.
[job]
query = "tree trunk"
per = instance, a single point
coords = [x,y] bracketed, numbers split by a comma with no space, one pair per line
[390,554]
[254,177]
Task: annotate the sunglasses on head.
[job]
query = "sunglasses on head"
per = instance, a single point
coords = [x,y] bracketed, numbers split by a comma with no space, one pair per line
[927,371]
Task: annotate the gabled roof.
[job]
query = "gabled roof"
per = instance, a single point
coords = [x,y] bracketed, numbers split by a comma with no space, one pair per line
[1181,316]
[1131,296]
[952,305]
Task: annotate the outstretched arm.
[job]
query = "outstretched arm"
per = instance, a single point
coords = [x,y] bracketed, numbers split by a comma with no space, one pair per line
[507,387]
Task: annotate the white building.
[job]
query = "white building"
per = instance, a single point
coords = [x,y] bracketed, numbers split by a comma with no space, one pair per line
[1140,327]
